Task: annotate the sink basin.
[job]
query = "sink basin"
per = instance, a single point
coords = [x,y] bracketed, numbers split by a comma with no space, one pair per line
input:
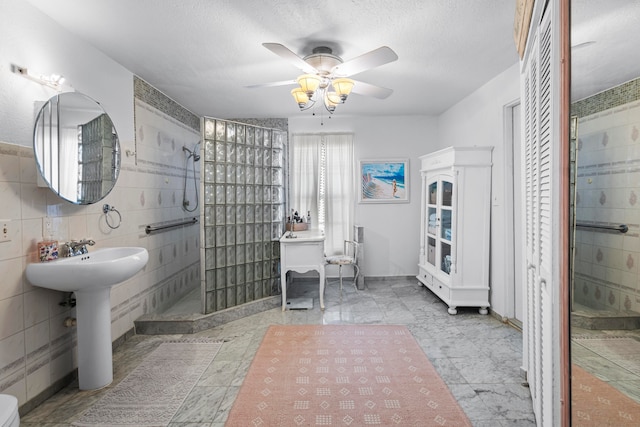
[98,269]
[90,277]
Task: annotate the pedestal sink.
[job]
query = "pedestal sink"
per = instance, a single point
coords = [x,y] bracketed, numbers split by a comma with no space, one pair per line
[90,277]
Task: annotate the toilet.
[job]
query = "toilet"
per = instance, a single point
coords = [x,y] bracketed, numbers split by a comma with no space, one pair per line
[9,411]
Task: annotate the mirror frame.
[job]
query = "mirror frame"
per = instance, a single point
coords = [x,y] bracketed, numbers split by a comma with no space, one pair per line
[76,148]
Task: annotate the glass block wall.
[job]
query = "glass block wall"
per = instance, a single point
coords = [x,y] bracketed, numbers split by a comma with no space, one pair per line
[244,212]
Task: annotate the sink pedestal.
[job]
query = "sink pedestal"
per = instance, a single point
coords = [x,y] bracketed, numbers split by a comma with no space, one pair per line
[91,276]
[95,358]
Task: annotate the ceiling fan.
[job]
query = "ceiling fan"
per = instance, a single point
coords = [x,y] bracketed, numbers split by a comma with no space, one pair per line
[326,75]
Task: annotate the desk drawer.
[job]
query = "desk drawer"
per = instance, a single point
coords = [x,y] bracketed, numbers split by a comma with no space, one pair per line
[302,253]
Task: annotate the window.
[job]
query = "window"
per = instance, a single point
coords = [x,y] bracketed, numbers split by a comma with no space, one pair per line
[322,183]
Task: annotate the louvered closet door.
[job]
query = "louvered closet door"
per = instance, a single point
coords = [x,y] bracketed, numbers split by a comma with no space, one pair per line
[538,110]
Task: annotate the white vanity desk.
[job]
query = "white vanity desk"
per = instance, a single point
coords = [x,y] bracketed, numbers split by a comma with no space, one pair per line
[302,253]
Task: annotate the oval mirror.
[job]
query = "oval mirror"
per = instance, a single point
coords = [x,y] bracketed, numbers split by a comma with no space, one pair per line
[76,148]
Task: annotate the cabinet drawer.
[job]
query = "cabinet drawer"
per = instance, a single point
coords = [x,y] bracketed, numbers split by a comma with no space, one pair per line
[425,277]
[441,290]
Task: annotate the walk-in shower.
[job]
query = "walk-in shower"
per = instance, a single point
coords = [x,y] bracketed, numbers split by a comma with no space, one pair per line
[606,253]
[605,250]
[605,285]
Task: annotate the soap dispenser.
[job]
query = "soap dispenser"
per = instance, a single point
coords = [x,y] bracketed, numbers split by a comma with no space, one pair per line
[48,250]
[48,247]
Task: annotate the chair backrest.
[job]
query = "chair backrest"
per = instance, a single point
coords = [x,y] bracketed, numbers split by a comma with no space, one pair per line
[351,248]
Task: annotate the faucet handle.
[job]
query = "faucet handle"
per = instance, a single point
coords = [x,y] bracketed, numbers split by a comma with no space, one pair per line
[81,247]
[67,248]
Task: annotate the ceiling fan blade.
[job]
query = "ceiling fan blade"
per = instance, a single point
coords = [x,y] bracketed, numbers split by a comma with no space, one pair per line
[375,58]
[362,88]
[272,84]
[294,59]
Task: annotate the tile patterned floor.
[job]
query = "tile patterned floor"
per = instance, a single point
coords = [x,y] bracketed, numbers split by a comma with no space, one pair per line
[478,357]
[610,355]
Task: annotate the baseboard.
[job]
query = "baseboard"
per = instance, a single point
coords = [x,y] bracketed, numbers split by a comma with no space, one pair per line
[387,278]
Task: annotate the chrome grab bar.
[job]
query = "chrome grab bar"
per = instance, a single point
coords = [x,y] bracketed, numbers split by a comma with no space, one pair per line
[160,226]
[622,228]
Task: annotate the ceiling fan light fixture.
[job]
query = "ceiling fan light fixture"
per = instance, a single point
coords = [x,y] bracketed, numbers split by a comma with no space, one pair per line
[300,96]
[325,75]
[343,87]
[309,83]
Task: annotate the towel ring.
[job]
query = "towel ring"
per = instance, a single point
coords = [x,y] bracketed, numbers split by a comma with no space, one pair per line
[106,209]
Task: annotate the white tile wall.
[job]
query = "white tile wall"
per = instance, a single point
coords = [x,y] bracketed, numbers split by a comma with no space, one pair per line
[36,349]
[608,188]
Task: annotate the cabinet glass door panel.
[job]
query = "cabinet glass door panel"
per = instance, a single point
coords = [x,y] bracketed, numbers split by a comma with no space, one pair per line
[432,220]
[431,251]
[439,212]
[447,193]
[445,257]
[432,198]
[445,224]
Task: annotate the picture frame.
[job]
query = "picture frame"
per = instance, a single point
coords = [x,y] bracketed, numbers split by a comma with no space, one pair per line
[384,181]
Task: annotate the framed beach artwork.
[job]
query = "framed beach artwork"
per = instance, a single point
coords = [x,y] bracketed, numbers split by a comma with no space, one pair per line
[384,181]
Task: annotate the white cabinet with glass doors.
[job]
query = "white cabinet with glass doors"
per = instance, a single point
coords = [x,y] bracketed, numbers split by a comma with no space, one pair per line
[455,226]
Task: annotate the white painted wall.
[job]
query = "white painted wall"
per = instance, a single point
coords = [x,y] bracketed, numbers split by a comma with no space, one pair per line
[33,40]
[391,231]
[479,120]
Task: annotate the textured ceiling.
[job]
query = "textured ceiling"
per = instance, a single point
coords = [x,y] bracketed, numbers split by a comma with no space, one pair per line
[203,53]
[605,35]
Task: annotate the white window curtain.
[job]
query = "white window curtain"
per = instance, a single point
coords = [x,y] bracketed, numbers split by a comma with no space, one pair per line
[305,173]
[322,181]
[339,200]
[68,161]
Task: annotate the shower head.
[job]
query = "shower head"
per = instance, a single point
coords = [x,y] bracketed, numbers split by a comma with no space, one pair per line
[193,153]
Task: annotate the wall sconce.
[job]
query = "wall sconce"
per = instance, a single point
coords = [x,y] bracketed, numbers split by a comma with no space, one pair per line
[54,81]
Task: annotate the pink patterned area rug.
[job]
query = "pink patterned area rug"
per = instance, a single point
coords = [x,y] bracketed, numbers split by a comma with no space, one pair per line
[154,391]
[594,403]
[335,375]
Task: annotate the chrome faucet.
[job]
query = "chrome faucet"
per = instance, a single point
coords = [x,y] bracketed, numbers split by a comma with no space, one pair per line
[74,248]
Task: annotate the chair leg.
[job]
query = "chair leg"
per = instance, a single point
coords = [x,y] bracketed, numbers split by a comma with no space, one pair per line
[355,278]
[340,274]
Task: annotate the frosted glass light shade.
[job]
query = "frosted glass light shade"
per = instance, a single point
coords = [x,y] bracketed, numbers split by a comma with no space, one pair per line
[331,100]
[343,87]
[309,83]
[300,96]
